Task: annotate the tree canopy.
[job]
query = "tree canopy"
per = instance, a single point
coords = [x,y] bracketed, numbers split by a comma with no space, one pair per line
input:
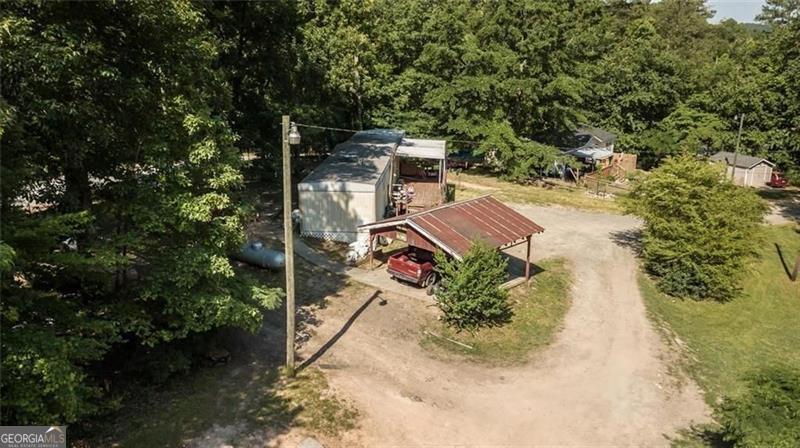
[117,215]
[122,124]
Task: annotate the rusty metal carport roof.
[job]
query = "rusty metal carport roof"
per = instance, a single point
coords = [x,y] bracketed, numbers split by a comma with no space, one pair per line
[454,226]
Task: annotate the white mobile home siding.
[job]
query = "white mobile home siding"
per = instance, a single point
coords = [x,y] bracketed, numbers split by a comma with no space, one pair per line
[349,188]
[335,215]
[382,191]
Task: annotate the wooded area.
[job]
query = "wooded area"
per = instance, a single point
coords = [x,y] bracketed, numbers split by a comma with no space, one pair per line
[123,125]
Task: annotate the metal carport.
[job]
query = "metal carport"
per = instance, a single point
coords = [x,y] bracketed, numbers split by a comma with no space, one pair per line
[452,227]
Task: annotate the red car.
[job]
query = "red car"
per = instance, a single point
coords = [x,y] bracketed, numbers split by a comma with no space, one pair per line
[415,266]
[777,180]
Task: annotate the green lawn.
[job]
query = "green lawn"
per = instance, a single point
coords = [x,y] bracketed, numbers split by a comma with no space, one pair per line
[728,340]
[539,310]
[469,185]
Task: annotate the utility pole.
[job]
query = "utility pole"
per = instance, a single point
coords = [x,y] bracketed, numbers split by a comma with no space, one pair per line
[288,236]
[736,151]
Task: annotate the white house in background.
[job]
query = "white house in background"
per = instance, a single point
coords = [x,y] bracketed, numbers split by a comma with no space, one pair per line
[590,145]
[354,185]
[750,171]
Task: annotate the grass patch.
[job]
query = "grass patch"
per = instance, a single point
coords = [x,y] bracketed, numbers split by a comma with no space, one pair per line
[728,340]
[232,403]
[469,185]
[316,407]
[538,311]
[336,250]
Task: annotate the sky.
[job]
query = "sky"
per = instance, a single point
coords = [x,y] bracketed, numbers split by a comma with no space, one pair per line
[740,10]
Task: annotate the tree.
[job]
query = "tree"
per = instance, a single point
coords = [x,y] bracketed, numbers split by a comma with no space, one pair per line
[767,414]
[258,43]
[338,42]
[119,176]
[783,55]
[638,84]
[699,228]
[470,295]
[684,131]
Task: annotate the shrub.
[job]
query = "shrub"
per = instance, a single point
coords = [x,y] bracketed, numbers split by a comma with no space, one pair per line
[768,414]
[699,227]
[470,294]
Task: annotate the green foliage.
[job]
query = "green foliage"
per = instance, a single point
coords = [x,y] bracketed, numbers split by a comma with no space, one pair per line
[470,295]
[510,73]
[121,126]
[118,179]
[538,312]
[767,414]
[729,340]
[685,131]
[699,228]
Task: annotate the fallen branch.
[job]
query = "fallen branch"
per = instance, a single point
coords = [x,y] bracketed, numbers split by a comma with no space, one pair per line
[450,340]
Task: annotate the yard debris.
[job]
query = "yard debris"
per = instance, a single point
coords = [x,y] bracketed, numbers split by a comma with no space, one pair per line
[218,356]
[450,340]
[309,442]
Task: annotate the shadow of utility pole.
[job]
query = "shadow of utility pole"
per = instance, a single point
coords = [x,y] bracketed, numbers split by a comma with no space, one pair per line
[322,350]
[791,274]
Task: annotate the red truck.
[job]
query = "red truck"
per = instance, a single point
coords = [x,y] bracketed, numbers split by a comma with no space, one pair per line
[777,180]
[415,266]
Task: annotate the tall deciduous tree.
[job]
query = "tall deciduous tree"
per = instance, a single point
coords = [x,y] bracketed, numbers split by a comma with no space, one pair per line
[118,168]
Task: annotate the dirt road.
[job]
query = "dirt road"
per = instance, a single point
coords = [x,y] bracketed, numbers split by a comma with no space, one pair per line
[604,381]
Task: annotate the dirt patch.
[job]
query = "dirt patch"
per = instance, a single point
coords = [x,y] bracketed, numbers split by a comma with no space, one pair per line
[605,380]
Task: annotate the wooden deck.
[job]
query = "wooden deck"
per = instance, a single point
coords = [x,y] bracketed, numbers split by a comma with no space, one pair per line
[427,193]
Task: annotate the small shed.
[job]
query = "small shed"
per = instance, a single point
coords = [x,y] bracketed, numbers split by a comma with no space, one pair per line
[349,188]
[452,227]
[747,171]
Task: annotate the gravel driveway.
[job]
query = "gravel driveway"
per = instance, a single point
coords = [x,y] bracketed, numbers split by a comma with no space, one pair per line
[604,381]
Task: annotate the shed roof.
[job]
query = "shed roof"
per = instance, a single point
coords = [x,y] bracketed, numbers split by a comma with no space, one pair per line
[358,162]
[454,226]
[422,148]
[742,161]
[600,134]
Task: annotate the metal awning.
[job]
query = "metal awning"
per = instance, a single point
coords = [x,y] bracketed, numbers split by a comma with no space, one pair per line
[591,153]
[422,148]
[452,227]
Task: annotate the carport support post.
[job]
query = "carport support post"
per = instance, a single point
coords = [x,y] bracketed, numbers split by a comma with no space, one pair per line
[528,260]
[288,237]
[371,251]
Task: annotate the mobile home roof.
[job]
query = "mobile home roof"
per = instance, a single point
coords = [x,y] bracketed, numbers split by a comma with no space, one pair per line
[355,165]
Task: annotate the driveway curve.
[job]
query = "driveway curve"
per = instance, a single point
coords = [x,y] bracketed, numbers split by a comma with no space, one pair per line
[604,381]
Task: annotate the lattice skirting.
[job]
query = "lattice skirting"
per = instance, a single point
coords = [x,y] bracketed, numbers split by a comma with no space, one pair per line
[345,237]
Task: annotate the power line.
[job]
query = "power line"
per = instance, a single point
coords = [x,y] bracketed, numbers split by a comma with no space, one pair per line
[330,128]
[327,128]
